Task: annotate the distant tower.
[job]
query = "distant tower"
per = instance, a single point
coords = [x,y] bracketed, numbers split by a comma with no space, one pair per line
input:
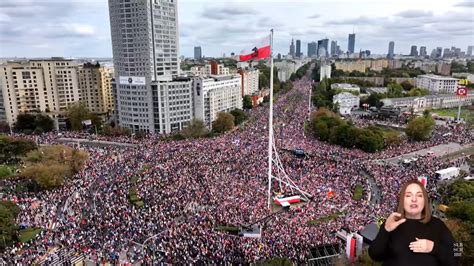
[197,53]
[351,44]
[298,48]
[391,50]
[292,48]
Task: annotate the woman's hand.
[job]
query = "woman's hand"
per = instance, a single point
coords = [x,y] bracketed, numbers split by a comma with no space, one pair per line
[422,246]
[391,223]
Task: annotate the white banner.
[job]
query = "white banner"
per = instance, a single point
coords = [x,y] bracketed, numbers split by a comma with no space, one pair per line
[132,80]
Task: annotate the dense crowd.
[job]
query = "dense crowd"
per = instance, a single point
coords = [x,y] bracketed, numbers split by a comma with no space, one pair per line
[192,187]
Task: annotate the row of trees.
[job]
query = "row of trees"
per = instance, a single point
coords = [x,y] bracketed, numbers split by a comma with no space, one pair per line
[327,126]
[459,196]
[224,122]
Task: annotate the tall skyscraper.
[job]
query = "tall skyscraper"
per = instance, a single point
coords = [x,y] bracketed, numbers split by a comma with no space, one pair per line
[414,51]
[423,51]
[351,44]
[298,48]
[312,49]
[323,47]
[145,48]
[197,53]
[292,48]
[333,48]
[469,50]
[391,49]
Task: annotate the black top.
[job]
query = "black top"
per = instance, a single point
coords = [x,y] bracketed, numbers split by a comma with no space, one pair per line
[393,247]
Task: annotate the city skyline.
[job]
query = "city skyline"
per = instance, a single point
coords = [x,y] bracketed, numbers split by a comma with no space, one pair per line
[82,28]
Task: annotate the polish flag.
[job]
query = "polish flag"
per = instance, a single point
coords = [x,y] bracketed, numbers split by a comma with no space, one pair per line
[259,50]
[423,180]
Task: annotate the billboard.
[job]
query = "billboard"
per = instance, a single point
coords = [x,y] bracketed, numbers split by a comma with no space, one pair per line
[126,80]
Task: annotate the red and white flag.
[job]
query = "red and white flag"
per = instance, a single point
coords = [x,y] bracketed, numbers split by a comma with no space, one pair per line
[259,50]
[423,180]
[462,91]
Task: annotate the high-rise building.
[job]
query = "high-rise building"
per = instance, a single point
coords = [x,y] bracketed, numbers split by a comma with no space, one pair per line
[48,86]
[325,72]
[323,47]
[197,53]
[298,49]
[439,51]
[333,48]
[423,51]
[446,53]
[292,48]
[469,50]
[351,43]
[106,76]
[414,51]
[391,50]
[145,49]
[214,95]
[312,49]
[249,81]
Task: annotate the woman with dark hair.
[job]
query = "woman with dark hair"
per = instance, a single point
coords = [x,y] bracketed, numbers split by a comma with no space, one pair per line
[411,236]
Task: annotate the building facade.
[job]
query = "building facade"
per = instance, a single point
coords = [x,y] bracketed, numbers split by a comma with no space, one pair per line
[249,81]
[325,72]
[351,43]
[298,49]
[312,49]
[419,104]
[145,49]
[216,94]
[38,86]
[391,50]
[437,84]
[197,53]
[346,102]
[345,87]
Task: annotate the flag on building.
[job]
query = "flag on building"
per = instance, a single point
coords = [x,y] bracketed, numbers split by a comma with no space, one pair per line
[259,50]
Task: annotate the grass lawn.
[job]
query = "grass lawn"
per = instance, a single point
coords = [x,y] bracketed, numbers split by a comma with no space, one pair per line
[6,171]
[358,192]
[453,112]
[29,234]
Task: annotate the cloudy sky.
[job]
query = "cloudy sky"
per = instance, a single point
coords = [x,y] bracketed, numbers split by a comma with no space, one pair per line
[81,28]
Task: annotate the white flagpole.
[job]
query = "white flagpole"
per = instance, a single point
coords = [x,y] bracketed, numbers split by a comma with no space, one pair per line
[270,124]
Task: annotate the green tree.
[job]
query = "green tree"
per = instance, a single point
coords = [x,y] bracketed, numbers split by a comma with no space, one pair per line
[195,129]
[8,213]
[369,140]
[12,148]
[224,122]
[420,128]
[247,102]
[417,92]
[374,99]
[394,90]
[462,234]
[263,82]
[44,123]
[343,135]
[77,113]
[406,85]
[239,115]
[25,122]
[463,210]
[49,166]
[4,127]
[392,138]
[459,190]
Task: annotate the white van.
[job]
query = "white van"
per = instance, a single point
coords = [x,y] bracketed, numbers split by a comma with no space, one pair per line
[448,173]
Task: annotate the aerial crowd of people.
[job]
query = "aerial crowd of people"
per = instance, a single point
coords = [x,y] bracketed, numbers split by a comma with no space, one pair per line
[191,189]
